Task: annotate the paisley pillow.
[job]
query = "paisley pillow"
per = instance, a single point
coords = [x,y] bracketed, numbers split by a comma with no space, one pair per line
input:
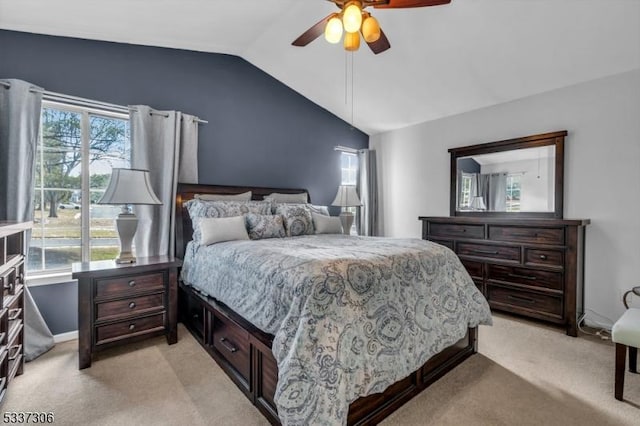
[265,226]
[202,209]
[297,219]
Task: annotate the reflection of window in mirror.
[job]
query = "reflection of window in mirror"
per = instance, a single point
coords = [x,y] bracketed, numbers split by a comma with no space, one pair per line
[465,191]
[514,185]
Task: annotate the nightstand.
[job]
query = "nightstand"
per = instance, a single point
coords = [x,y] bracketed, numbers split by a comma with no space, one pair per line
[124,303]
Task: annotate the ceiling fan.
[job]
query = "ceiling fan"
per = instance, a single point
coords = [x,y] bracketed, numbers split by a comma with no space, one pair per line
[354,20]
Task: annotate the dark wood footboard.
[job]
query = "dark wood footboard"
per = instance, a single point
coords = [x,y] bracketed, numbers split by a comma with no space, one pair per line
[244,353]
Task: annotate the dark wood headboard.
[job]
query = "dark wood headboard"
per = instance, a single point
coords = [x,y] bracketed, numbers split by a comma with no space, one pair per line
[186,192]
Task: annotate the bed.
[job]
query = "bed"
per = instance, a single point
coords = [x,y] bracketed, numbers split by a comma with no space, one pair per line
[326,329]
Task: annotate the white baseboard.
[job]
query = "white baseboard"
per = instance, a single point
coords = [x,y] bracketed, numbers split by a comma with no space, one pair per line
[65,337]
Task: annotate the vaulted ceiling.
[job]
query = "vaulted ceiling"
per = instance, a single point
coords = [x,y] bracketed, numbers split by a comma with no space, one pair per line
[444,60]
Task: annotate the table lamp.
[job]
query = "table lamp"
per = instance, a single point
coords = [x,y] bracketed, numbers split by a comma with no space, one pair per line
[127,187]
[346,197]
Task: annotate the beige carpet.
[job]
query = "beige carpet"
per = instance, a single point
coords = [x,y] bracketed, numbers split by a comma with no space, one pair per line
[525,374]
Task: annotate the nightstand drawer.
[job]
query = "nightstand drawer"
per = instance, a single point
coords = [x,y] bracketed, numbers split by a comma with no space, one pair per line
[129,328]
[129,306]
[133,283]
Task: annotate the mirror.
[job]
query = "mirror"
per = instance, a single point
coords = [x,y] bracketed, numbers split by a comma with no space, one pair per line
[516,177]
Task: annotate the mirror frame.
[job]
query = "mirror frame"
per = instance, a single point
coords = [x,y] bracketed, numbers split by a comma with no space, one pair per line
[545,139]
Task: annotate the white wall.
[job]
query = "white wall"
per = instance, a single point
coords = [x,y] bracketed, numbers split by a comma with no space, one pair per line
[602,172]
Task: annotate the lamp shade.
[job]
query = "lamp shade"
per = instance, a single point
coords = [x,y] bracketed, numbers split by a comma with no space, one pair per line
[347,197]
[129,186]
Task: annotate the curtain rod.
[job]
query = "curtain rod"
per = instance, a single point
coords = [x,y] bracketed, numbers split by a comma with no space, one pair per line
[345,149]
[53,96]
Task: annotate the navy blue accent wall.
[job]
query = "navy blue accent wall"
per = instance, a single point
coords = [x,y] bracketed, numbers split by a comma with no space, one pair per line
[260,132]
[468,165]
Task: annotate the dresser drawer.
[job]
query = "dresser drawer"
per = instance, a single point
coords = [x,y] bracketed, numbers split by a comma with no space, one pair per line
[129,306]
[544,257]
[526,276]
[475,269]
[232,342]
[524,234]
[446,243]
[456,230]
[129,328]
[134,283]
[515,300]
[489,251]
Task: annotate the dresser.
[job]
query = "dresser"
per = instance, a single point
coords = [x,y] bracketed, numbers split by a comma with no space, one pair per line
[12,273]
[530,267]
[124,303]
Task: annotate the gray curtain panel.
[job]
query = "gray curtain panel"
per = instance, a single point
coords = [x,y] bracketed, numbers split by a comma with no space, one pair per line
[19,127]
[493,187]
[162,141]
[368,191]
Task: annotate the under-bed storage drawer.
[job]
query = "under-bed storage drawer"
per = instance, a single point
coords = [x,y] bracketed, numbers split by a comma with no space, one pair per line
[232,342]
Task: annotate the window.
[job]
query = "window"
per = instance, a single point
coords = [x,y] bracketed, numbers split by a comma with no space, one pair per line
[76,151]
[513,192]
[465,191]
[349,167]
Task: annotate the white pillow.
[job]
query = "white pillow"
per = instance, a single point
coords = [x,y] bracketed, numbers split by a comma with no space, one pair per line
[326,224]
[277,197]
[219,229]
[245,196]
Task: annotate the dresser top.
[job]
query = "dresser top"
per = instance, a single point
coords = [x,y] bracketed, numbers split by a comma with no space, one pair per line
[506,221]
[8,227]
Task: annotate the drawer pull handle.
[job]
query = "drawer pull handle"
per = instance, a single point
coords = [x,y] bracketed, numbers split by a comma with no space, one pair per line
[228,346]
[14,314]
[132,283]
[543,256]
[132,305]
[17,349]
[486,251]
[522,299]
[132,327]
[524,277]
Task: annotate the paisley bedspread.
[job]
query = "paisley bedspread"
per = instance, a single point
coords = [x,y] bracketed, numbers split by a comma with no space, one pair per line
[350,315]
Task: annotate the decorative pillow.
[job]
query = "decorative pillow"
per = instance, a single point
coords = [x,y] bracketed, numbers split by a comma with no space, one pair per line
[323,210]
[245,196]
[297,219]
[220,229]
[277,197]
[265,226]
[199,209]
[326,224]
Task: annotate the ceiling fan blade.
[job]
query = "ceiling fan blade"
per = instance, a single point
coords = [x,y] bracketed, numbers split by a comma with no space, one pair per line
[312,33]
[403,4]
[379,45]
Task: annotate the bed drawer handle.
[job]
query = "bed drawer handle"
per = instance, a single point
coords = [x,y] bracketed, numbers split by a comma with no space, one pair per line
[18,349]
[486,251]
[543,256]
[132,305]
[522,299]
[2,340]
[524,277]
[132,283]
[14,314]
[228,346]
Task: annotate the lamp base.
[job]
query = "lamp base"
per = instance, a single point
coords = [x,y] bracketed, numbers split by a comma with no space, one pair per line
[347,221]
[126,224]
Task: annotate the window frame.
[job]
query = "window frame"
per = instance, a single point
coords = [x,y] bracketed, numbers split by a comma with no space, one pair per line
[353,157]
[60,275]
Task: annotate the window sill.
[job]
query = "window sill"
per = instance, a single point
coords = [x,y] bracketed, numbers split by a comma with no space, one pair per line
[49,279]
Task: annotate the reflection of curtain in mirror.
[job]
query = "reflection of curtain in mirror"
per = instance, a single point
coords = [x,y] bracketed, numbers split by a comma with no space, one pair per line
[493,187]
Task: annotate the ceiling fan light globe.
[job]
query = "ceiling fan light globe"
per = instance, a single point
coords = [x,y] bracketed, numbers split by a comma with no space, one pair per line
[333,30]
[371,30]
[351,41]
[352,18]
